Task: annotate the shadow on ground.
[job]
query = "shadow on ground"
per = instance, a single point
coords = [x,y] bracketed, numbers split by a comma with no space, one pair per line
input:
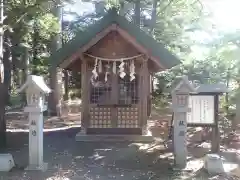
[18,120]
[71,160]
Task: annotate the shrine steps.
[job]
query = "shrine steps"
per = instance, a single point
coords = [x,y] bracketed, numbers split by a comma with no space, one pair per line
[113,138]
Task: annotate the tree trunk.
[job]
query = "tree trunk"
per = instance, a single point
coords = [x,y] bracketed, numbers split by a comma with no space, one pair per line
[121,8]
[227,95]
[25,72]
[15,59]
[35,47]
[153,16]
[25,60]
[7,69]
[137,13]
[3,136]
[54,98]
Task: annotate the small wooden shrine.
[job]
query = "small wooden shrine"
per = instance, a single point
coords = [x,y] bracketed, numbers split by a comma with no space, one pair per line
[116,60]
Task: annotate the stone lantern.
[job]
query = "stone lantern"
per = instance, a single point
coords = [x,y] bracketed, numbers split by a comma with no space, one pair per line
[180,107]
[35,89]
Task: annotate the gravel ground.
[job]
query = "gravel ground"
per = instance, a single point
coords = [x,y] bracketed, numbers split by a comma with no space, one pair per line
[71,160]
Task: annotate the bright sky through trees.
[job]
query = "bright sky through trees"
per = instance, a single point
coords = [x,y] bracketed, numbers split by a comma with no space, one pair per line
[225,12]
[224,15]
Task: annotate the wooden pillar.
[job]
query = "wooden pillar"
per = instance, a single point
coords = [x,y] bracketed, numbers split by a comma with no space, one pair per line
[149,104]
[215,146]
[236,120]
[84,94]
[66,84]
[114,99]
[144,90]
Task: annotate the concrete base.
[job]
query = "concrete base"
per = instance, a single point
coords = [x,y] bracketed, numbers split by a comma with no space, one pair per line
[43,167]
[113,138]
[238,156]
[6,162]
[213,164]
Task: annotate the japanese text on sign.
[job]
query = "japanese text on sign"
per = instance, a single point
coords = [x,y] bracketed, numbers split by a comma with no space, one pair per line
[181,123]
[34,133]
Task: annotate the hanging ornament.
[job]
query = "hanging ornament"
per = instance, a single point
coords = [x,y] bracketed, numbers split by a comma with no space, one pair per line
[94,71]
[107,71]
[132,71]
[100,66]
[114,67]
[106,76]
[121,70]
[122,74]
[122,64]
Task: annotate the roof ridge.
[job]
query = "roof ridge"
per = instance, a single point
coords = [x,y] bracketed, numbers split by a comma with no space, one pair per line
[155,48]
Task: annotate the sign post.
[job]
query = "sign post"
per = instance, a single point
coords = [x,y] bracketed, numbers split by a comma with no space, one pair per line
[35,89]
[180,100]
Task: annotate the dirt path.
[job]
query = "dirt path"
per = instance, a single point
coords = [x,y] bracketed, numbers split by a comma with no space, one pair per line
[18,120]
[71,160]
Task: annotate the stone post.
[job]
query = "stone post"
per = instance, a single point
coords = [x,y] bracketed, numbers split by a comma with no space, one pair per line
[180,101]
[35,89]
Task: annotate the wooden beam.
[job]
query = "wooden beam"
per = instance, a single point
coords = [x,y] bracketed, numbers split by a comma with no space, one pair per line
[91,43]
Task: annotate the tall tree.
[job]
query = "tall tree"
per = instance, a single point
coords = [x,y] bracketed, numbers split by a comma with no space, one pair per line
[2,85]
[153,16]
[54,98]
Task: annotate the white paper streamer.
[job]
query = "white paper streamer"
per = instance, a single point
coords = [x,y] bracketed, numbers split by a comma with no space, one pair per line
[121,70]
[122,64]
[122,74]
[94,71]
[132,71]
[106,76]
[100,66]
[114,67]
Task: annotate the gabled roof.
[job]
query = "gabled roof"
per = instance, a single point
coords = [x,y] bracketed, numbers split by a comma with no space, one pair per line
[155,49]
[214,88]
[36,82]
[184,85]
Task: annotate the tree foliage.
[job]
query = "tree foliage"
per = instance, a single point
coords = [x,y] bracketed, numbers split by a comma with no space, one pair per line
[31,25]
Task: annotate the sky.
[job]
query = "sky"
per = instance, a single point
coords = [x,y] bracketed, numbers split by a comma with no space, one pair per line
[225,16]
[225,12]
[81,7]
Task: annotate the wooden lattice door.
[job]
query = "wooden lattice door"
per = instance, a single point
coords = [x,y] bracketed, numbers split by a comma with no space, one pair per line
[114,102]
[128,107]
[101,103]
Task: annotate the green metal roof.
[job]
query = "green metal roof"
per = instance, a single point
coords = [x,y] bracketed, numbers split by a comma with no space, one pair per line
[156,49]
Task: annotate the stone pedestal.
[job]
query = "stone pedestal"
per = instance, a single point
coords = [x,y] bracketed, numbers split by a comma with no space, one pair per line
[179,140]
[35,139]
